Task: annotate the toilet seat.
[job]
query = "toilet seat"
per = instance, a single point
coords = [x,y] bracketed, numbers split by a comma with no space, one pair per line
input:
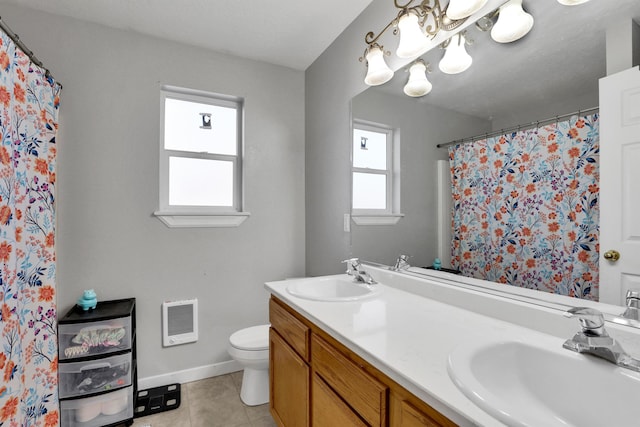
[255,338]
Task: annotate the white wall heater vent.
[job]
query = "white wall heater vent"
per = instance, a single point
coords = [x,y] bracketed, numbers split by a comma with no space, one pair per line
[179,322]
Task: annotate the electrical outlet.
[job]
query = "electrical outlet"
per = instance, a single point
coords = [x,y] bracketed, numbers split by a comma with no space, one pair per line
[347,223]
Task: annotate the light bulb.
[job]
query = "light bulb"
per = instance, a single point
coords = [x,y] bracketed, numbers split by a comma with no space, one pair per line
[460,9]
[455,59]
[572,2]
[418,85]
[378,72]
[412,40]
[513,23]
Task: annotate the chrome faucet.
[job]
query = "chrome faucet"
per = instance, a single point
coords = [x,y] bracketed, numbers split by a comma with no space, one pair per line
[354,268]
[632,311]
[594,339]
[402,263]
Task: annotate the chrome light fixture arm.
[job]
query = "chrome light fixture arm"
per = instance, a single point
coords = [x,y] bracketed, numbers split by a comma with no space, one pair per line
[370,38]
[430,15]
[462,38]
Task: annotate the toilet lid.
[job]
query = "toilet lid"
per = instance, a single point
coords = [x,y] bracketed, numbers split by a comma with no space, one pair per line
[253,338]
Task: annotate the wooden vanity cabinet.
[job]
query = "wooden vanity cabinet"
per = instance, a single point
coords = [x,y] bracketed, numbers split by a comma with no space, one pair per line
[316,381]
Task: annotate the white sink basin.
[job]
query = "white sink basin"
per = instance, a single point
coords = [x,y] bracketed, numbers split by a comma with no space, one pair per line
[526,385]
[332,288]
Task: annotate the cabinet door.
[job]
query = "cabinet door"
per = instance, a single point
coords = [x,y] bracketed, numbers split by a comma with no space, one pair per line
[289,384]
[405,414]
[366,395]
[329,410]
[411,417]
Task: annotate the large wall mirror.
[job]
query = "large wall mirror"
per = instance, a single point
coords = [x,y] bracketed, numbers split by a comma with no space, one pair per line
[552,71]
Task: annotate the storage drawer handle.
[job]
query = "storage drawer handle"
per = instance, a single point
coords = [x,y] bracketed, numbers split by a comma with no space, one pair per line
[95,366]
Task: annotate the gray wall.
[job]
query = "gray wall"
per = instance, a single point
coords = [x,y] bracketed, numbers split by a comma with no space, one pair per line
[422,127]
[108,183]
[330,83]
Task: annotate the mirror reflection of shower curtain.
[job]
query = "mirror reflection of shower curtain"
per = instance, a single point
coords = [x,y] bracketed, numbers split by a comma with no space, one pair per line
[525,208]
[28,344]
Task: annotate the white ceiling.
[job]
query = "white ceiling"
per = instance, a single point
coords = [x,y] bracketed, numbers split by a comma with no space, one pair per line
[292,34]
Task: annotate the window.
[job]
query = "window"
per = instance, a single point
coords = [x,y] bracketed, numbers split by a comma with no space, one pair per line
[200,159]
[375,199]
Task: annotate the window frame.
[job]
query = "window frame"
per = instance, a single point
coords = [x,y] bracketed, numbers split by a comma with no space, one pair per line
[191,215]
[391,214]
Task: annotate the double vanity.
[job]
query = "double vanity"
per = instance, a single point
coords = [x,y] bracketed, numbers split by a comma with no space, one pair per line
[416,348]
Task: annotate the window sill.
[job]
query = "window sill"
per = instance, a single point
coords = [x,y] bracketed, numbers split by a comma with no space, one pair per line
[183,220]
[377,219]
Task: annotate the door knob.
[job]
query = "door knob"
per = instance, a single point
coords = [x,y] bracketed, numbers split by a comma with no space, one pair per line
[612,255]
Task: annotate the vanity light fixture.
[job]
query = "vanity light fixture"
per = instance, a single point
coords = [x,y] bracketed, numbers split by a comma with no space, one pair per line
[513,22]
[412,40]
[419,21]
[455,59]
[572,2]
[460,9]
[416,23]
[378,72]
[418,84]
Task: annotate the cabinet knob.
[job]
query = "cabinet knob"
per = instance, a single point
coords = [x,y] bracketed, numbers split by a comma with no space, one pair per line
[612,255]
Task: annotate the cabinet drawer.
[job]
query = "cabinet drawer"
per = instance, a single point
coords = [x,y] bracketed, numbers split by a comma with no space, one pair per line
[94,338]
[329,410]
[295,333]
[97,411]
[94,376]
[366,395]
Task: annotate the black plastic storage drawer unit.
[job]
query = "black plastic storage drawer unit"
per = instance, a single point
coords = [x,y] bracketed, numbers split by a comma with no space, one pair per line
[97,369]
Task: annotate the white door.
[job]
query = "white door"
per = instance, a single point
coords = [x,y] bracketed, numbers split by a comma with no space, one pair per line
[619,185]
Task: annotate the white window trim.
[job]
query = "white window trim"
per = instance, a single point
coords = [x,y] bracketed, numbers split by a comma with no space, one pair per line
[199,216]
[181,220]
[391,215]
[391,219]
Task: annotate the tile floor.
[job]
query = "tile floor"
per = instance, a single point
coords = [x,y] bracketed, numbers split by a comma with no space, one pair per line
[213,402]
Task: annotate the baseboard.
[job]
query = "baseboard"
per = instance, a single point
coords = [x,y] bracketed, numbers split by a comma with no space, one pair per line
[189,375]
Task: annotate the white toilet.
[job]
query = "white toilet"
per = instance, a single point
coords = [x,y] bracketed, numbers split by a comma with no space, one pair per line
[250,347]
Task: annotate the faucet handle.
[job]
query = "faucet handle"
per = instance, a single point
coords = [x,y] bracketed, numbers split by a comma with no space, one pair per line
[402,262]
[351,261]
[353,264]
[633,298]
[591,320]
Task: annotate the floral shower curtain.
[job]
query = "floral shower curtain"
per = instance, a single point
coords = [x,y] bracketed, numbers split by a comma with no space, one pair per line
[28,343]
[525,208]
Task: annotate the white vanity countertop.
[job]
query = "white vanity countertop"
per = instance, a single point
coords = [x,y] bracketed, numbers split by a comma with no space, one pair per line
[409,338]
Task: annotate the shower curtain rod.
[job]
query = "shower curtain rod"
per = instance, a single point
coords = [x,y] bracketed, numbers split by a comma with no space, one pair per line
[518,128]
[16,39]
